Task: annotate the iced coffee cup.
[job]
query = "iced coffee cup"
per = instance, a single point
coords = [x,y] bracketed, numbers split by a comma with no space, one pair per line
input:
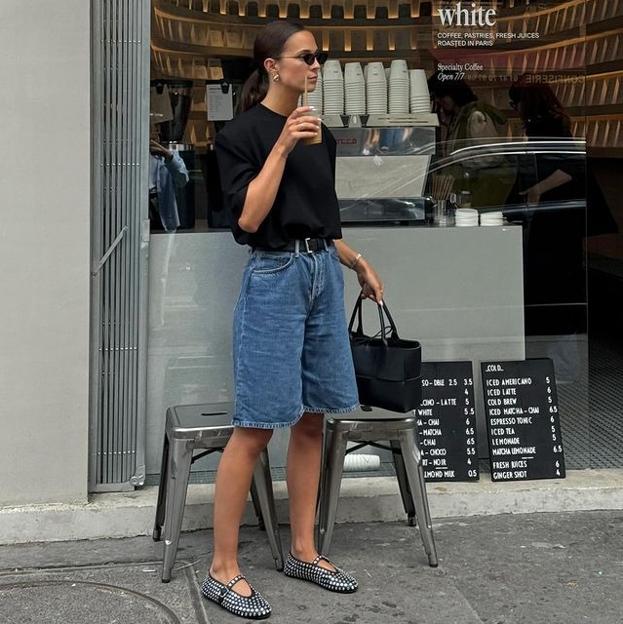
[318,138]
[314,113]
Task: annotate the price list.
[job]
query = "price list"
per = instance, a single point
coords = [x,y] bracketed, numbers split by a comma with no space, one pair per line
[523,423]
[446,422]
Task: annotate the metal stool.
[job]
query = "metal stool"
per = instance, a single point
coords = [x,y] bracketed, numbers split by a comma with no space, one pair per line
[206,426]
[401,432]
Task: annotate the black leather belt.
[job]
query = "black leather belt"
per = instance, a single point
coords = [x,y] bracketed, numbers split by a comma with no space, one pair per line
[306,245]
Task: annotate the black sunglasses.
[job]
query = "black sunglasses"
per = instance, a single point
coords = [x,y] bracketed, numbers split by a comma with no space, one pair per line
[309,58]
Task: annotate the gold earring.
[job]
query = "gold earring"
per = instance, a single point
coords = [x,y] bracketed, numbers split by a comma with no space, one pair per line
[275,77]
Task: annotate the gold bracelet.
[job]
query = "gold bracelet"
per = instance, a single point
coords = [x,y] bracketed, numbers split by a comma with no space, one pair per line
[353,264]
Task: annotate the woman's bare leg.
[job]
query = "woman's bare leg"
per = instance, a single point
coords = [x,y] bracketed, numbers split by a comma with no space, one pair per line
[303,475]
[233,482]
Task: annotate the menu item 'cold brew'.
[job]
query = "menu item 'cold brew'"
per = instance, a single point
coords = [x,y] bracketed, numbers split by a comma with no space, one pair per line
[523,423]
[446,422]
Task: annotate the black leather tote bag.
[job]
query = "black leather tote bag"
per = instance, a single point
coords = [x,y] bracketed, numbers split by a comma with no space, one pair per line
[387,367]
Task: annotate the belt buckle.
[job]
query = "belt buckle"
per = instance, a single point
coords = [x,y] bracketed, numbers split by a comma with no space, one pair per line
[306,240]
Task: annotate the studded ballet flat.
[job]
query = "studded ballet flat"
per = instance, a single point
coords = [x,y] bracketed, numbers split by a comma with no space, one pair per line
[334,580]
[253,607]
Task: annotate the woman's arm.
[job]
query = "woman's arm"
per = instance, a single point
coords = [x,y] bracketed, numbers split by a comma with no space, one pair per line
[370,282]
[347,255]
[556,179]
[177,169]
[262,190]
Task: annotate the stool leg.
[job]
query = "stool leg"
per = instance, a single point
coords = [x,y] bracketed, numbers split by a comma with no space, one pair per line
[263,485]
[415,475]
[180,456]
[331,489]
[162,490]
[256,506]
[403,482]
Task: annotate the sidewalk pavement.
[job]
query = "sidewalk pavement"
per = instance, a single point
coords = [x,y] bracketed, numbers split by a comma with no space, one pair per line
[512,569]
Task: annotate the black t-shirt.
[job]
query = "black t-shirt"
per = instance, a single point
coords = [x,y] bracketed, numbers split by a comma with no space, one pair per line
[305,206]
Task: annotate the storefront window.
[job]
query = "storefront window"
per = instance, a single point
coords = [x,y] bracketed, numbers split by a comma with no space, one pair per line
[484,183]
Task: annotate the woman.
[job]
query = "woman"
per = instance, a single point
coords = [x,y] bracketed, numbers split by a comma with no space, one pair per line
[467,122]
[543,116]
[555,217]
[561,178]
[167,175]
[292,360]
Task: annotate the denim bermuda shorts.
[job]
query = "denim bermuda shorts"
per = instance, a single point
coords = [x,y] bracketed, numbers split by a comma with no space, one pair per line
[290,340]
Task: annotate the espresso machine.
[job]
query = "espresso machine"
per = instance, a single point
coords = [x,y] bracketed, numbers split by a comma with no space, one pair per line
[382,165]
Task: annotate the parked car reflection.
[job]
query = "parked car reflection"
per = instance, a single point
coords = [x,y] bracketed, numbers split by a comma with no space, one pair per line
[554,228]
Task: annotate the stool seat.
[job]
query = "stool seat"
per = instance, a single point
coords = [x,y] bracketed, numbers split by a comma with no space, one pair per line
[201,416]
[204,426]
[367,427]
[369,413]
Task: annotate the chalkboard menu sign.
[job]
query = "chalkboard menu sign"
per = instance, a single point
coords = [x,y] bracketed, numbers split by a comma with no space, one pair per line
[446,422]
[523,424]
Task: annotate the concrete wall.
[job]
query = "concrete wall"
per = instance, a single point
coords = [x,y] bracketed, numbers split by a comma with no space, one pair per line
[44,250]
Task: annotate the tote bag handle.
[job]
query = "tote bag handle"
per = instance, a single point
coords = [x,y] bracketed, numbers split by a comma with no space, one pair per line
[383,310]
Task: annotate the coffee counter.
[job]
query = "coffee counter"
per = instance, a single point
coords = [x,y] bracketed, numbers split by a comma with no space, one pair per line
[459,291]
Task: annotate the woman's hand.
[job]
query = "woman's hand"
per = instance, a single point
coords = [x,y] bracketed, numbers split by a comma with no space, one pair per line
[370,282]
[553,181]
[532,195]
[159,150]
[298,126]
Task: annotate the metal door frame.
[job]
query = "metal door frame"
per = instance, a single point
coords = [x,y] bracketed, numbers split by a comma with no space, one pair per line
[120,66]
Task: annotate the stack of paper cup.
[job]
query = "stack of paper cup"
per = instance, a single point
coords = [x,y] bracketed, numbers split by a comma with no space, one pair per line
[466,217]
[376,88]
[398,87]
[358,462]
[419,97]
[492,218]
[333,88]
[354,89]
